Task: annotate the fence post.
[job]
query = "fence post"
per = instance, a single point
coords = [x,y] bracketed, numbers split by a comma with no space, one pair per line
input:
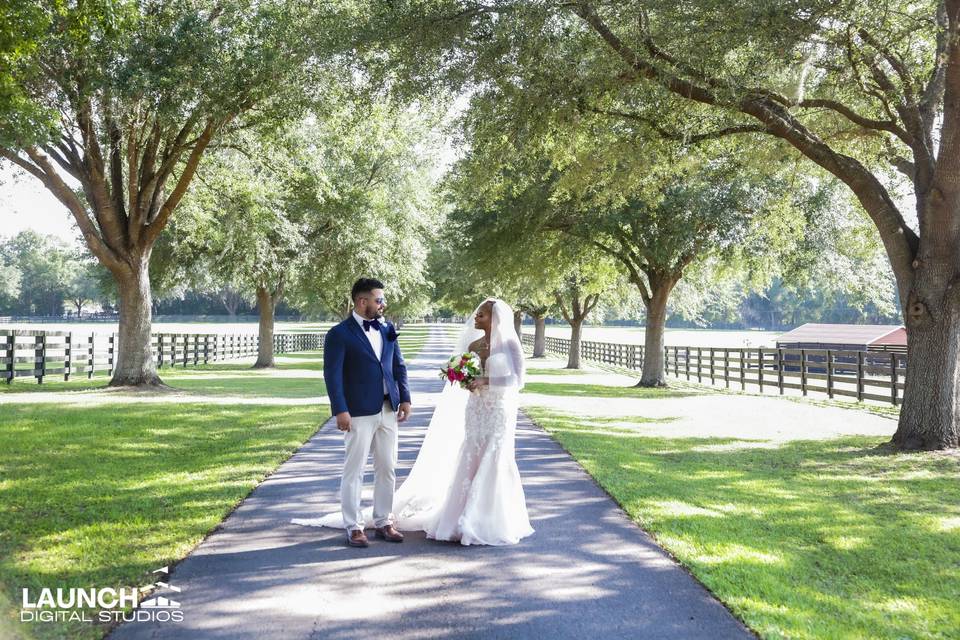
[760,367]
[39,356]
[803,371]
[712,369]
[699,364]
[11,350]
[111,353]
[780,370]
[893,378]
[743,370]
[91,355]
[829,373]
[726,368]
[67,356]
[859,376]
[686,361]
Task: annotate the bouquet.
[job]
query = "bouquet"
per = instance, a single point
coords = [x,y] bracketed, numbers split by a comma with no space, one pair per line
[463,369]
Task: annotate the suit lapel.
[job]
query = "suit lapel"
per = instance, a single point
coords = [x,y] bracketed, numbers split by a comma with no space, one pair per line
[358,334]
[383,343]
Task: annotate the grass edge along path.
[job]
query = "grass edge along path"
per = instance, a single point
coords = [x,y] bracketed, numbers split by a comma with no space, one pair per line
[829,539]
[73,513]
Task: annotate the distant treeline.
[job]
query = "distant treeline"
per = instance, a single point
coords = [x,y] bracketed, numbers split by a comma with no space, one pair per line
[41,276]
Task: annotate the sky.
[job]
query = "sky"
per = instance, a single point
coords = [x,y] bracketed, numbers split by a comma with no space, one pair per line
[26,204]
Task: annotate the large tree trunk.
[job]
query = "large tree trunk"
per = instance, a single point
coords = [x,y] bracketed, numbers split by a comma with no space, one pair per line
[517,321]
[539,337]
[653,374]
[265,303]
[573,357]
[134,365]
[930,414]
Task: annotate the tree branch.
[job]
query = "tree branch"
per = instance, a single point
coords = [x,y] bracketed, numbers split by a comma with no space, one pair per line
[900,241]
[563,309]
[933,92]
[52,181]
[156,226]
[848,113]
[680,137]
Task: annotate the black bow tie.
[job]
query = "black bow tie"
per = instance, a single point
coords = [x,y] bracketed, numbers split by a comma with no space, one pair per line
[371,323]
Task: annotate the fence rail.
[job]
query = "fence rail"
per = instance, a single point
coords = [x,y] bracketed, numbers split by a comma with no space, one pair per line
[864,375]
[40,354]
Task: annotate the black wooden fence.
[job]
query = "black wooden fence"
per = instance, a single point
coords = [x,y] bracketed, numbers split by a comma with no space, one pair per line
[864,375]
[38,354]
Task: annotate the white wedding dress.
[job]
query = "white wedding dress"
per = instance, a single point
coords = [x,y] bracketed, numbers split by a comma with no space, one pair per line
[465,485]
[485,503]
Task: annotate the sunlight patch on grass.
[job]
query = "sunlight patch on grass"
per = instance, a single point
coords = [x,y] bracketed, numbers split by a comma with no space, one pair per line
[738,553]
[949,524]
[673,508]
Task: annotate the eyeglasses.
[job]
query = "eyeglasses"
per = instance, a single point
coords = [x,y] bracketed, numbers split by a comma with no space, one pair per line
[380,300]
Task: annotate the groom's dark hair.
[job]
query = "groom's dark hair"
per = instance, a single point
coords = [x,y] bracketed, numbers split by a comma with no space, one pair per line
[364,285]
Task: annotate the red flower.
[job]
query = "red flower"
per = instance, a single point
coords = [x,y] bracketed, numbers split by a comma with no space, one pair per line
[460,376]
[450,375]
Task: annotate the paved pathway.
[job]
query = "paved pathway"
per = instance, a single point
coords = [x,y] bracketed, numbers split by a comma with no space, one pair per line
[587,572]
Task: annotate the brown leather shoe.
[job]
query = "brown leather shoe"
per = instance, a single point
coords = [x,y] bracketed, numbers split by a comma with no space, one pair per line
[389,534]
[358,538]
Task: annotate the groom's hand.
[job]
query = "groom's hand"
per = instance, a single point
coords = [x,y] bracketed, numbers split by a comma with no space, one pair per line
[343,421]
[403,411]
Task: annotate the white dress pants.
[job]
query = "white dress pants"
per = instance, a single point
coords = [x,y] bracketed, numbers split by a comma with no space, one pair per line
[379,433]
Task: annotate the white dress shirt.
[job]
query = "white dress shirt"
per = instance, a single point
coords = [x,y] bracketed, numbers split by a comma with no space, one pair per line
[376,341]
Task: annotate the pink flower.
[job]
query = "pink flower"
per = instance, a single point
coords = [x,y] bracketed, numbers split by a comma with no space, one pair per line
[450,375]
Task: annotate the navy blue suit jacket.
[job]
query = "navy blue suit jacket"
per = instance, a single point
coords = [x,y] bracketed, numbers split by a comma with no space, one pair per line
[353,375]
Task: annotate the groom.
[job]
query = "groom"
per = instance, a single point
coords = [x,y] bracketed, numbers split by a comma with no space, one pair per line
[366,380]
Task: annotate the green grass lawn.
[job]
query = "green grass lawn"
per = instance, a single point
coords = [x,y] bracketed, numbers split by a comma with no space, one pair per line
[834,539]
[102,495]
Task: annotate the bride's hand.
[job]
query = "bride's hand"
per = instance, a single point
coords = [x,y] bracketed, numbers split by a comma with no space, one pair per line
[477,383]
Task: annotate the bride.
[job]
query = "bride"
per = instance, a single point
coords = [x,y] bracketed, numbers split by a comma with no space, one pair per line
[465,485]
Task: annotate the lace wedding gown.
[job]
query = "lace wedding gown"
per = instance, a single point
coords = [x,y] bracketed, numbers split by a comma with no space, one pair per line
[485,503]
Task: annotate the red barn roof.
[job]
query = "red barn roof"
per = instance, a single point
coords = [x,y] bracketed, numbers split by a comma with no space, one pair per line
[853,334]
